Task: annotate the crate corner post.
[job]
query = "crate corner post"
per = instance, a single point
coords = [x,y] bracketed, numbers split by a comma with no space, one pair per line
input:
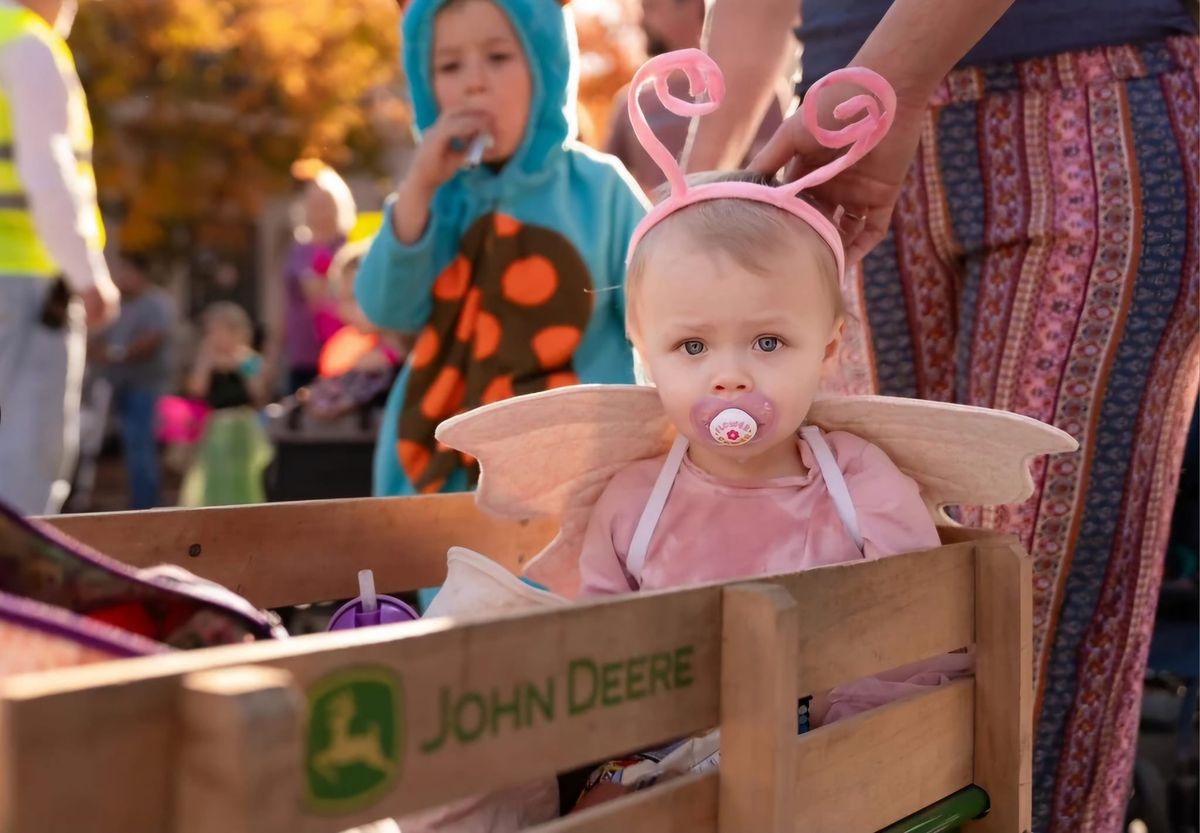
[1004,685]
[759,669]
[239,750]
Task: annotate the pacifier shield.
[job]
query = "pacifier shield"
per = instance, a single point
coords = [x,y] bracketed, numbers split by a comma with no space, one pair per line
[733,426]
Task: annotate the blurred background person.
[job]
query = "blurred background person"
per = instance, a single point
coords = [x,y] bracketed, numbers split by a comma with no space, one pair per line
[134,356]
[329,213]
[51,242]
[234,450]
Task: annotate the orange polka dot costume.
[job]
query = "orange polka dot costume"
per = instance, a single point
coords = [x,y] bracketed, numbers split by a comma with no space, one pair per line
[516,285]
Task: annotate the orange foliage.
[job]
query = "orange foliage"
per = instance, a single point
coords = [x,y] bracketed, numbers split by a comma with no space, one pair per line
[201,106]
[610,49]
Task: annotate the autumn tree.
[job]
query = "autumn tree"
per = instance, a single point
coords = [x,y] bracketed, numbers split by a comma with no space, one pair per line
[611,48]
[201,106]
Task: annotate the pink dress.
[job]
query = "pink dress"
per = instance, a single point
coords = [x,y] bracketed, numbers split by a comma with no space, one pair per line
[664,523]
[716,530]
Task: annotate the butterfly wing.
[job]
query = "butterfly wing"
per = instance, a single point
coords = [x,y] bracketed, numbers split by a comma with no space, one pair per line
[553,453]
[958,454]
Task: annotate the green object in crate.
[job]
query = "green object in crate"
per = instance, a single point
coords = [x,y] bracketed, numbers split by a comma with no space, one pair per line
[948,814]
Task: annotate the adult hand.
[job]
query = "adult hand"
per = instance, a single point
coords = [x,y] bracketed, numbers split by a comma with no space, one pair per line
[101,304]
[867,191]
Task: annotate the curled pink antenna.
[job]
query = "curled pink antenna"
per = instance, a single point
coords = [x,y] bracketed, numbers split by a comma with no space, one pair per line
[874,110]
[703,77]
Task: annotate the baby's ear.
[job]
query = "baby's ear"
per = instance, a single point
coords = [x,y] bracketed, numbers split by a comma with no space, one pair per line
[641,372]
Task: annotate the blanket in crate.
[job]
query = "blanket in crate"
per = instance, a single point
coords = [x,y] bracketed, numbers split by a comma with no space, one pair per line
[64,604]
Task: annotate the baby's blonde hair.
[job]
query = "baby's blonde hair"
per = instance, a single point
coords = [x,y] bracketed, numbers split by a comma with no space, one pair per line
[753,233]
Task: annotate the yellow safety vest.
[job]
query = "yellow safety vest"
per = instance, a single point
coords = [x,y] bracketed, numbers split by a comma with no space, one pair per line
[21,252]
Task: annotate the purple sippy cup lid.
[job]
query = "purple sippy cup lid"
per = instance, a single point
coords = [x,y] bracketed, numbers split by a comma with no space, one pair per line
[370,608]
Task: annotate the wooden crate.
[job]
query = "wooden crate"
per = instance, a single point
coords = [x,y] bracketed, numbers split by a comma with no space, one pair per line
[238,739]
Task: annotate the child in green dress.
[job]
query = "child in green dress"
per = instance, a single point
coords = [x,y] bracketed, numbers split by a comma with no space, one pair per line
[228,375]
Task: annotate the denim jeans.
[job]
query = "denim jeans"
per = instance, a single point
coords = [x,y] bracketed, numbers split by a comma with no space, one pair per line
[137,407]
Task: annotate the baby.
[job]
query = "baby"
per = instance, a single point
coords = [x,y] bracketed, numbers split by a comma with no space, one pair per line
[735,310]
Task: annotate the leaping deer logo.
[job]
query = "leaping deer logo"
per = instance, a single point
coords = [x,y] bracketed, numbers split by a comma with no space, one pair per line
[355,738]
[346,747]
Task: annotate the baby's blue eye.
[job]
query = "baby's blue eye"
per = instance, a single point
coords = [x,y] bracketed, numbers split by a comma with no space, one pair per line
[693,347]
[768,344]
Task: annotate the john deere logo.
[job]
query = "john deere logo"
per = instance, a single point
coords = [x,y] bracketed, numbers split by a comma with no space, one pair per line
[355,738]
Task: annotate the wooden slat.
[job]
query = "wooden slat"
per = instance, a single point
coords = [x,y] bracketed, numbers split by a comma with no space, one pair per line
[860,619]
[863,773]
[239,742]
[1004,680]
[279,554]
[685,805]
[761,625]
[95,744]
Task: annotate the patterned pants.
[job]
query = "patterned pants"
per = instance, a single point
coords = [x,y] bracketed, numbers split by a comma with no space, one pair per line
[1043,259]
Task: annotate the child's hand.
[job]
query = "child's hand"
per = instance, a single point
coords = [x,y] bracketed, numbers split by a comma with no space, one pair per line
[205,353]
[443,150]
[214,355]
[200,377]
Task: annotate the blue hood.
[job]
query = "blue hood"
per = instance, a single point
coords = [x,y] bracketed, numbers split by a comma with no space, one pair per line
[547,34]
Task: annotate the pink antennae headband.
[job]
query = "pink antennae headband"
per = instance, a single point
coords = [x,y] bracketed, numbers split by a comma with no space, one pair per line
[877,111]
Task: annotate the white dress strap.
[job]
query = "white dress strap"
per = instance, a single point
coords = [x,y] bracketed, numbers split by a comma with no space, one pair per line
[636,560]
[835,481]
[830,472]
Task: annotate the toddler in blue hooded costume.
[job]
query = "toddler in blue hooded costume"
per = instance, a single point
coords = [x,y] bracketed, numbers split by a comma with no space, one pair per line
[510,271]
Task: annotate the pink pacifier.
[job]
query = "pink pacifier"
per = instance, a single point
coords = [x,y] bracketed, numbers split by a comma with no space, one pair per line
[733,422]
[370,608]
